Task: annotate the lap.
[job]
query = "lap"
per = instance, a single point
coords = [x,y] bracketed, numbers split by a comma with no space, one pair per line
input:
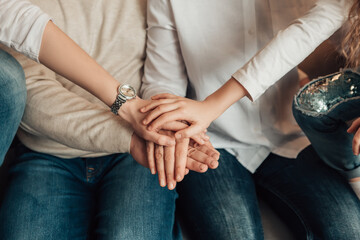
[44,201]
[54,198]
[314,199]
[132,205]
[221,203]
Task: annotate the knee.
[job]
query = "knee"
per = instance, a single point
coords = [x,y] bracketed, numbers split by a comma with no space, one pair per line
[12,83]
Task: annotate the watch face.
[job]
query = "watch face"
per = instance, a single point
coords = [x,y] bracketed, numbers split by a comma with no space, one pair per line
[127,91]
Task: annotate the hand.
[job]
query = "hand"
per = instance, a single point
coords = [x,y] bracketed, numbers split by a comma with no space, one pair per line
[354,128]
[138,150]
[169,162]
[167,108]
[173,164]
[130,112]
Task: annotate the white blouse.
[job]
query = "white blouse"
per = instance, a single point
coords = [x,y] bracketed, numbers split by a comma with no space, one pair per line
[21,26]
[194,47]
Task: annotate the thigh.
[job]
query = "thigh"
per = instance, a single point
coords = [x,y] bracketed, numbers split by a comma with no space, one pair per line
[12,100]
[132,205]
[313,199]
[44,201]
[221,203]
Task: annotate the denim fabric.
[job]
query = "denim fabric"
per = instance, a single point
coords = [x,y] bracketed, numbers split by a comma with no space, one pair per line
[12,100]
[109,197]
[313,199]
[326,130]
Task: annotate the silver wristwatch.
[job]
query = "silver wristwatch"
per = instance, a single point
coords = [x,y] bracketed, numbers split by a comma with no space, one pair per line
[125,92]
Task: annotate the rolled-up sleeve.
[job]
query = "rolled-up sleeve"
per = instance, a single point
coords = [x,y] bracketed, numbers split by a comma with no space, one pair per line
[21,26]
[292,45]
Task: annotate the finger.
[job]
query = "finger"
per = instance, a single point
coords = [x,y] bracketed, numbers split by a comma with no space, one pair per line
[192,130]
[208,149]
[165,118]
[181,150]
[200,138]
[161,109]
[169,157]
[356,143]
[164,96]
[158,138]
[150,149]
[159,159]
[187,171]
[196,166]
[154,104]
[201,157]
[354,126]
[174,126]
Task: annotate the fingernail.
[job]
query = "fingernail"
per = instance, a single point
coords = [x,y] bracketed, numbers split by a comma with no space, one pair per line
[202,167]
[162,183]
[214,164]
[170,142]
[178,136]
[171,186]
[153,171]
[178,178]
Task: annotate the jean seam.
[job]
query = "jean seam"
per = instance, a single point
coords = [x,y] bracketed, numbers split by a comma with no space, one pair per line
[309,235]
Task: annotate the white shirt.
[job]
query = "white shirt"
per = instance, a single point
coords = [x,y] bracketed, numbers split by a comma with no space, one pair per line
[21,26]
[200,44]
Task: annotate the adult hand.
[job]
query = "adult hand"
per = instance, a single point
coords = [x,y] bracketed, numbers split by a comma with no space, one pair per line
[167,108]
[130,112]
[173,163]
[354,128]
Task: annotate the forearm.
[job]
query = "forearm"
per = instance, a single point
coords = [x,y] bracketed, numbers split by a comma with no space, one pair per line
[62,55]
[224,97]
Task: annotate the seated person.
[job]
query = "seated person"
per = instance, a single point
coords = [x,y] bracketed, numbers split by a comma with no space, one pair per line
[74,177]
[211,54]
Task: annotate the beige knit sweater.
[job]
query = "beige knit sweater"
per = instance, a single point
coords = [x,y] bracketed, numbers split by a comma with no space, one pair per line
[61,118]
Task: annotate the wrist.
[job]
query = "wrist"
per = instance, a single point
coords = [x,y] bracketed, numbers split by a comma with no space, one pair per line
[214,108]
[126,108]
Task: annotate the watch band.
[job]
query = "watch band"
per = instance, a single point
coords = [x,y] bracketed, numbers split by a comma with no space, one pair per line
[117,104]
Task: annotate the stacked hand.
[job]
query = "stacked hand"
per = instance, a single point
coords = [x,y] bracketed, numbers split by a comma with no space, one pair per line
[171,159]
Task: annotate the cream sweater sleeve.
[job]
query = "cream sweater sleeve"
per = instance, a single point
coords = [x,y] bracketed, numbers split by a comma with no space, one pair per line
[67,124]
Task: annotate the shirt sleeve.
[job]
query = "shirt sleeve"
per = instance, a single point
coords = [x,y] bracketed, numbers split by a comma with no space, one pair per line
[21,26]
[164,70]
[292,45]
[77,120]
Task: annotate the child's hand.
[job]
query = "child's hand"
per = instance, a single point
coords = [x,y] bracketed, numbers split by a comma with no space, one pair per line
[130,112]
[354,128]
[167,107]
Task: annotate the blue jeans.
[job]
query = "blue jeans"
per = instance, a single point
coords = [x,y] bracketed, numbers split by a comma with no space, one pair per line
[313,199]
[322,109]
[110,197]
[12,100]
